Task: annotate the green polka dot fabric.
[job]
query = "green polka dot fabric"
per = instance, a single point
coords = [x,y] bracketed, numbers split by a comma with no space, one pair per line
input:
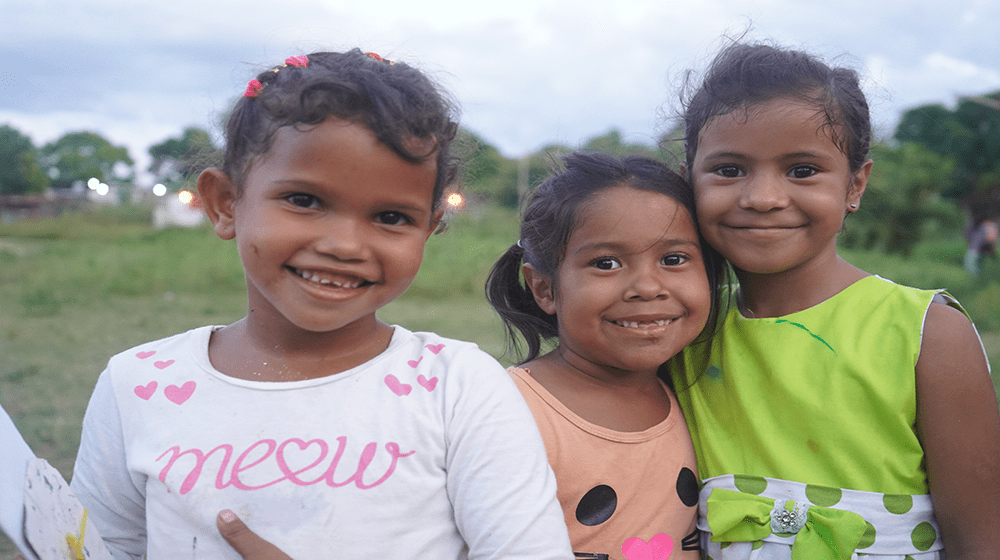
[899,527]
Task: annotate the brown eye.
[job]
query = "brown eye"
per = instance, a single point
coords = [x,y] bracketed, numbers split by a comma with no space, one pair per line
[673,260]
[729,171]
[392,218]
[302,200]
[803,172]
[606,263]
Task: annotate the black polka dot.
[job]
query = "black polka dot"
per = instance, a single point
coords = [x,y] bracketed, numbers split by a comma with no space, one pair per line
[687,487]
[597,505]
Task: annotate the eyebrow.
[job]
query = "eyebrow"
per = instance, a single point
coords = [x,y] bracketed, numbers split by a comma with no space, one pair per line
[623,247]
[314,189]
[725,155]
[743,157]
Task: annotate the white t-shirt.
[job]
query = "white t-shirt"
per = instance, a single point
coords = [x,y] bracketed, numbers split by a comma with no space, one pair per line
[427,451]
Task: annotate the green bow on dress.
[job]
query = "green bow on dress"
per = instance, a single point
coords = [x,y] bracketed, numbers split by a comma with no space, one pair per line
[827,534]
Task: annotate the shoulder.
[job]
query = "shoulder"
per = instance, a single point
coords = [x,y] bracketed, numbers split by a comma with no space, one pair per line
[446,350]
[519,375]
[893,303]
[461,366]
[164,352]
[531,390]
[947,329]
[879,288]
[951,352]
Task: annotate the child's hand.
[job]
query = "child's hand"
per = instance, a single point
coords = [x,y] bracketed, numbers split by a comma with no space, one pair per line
[245,541]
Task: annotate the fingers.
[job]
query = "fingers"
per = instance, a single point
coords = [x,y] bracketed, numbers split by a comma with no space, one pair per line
[245,541]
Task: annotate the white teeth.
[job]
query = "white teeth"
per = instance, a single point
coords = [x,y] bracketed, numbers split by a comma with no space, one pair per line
[314,277]
[635,324]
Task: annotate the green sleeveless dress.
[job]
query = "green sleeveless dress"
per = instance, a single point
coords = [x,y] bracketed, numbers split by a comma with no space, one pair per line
[817,410]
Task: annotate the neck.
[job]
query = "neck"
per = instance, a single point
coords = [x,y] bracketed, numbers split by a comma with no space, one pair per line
[249,349]
[782,293]
[573,365]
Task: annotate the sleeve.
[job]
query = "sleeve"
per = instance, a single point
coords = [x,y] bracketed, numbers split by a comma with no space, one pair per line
[115,498]
[499,480]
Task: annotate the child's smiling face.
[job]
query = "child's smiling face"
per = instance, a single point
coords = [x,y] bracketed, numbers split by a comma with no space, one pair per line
[772,187]
[330,226]
[631,290]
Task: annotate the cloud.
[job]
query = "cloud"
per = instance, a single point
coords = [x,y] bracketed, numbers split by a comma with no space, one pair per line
[934,78]
[526,72]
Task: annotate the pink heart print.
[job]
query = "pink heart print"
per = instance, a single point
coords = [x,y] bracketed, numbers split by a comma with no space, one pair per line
[401,389]
[144,392]
[660,547]
[415,363]
[144,355]
[435,347]
[428,384]
[163,365]
[178,395]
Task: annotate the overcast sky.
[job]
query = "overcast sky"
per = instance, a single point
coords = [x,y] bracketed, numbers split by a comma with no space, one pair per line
[526,73]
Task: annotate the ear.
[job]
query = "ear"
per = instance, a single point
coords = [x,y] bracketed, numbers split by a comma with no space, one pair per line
[859,182]
[541,287]
[218,195]
[435,222]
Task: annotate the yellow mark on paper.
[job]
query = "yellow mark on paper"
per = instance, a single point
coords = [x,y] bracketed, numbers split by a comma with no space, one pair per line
[77,543]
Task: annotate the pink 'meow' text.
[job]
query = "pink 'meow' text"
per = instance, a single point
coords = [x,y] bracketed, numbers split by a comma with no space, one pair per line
[274,451]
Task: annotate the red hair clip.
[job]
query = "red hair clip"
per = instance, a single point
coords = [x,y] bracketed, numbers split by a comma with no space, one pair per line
[253,88]
[302,61]
[375,56]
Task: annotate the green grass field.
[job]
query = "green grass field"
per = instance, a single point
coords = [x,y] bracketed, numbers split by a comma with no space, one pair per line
[80,288]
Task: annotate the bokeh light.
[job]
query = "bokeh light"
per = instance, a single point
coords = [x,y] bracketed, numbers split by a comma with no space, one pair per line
[92,183]
[159,189]
[455,201]
[185,197]
[102,189]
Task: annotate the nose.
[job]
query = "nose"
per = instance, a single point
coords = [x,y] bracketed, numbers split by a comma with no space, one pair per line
[343,238]
[763,192]
[647,284]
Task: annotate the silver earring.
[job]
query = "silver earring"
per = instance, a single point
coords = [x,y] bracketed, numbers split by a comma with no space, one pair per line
[854,206]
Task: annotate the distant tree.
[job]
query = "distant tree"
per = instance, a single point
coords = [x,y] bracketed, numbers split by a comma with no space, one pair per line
[501,180]
[19,169]
[78,156]
[671,143]
[904,197]
[486,173]
[970,135]
[613,144]
[176,159]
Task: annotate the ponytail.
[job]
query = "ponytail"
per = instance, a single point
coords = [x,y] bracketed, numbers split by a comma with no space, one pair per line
[511,297]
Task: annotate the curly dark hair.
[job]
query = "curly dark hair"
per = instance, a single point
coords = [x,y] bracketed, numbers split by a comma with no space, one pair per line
[397,102]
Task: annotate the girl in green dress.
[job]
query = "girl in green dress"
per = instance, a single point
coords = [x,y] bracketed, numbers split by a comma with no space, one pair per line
[837,414]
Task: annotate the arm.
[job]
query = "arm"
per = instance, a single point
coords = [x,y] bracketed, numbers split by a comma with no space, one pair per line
[499,481]
[959,426]
[101,480]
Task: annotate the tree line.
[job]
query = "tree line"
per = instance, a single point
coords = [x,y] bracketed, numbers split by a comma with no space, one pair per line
[939,170]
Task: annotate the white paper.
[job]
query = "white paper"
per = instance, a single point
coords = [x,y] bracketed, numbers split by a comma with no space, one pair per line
[14,457]
[52,512]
